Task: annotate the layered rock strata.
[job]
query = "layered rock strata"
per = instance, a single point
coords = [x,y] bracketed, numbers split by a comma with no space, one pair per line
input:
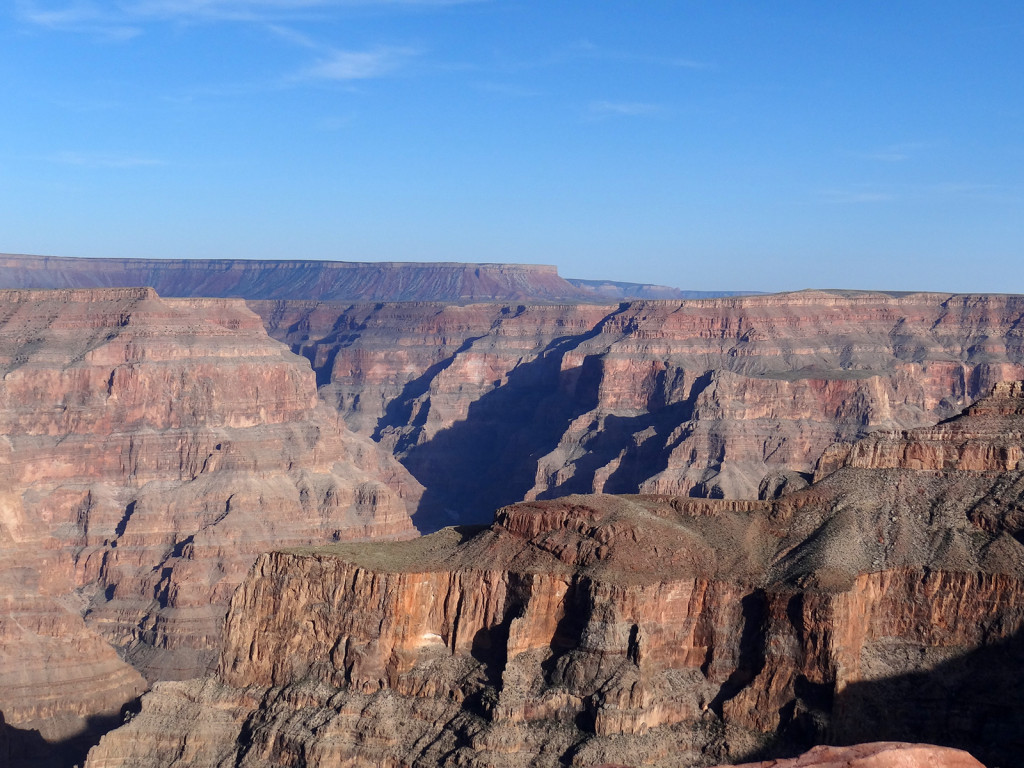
[149,450]
[324,280]
[728,397]
[642,630]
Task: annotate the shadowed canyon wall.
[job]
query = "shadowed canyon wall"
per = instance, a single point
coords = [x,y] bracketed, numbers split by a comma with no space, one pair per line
[733,397]
[885,601]
[149,450]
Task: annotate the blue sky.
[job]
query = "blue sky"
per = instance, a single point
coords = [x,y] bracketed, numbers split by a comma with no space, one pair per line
[764,145]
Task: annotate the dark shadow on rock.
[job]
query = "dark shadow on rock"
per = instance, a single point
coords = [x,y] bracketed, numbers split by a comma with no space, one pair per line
[639,460]
[751,651]
[974,702]
[26,748]
[398,412]
[490,459]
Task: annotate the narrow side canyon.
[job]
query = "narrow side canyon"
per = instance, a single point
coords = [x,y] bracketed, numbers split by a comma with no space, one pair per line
[489,404]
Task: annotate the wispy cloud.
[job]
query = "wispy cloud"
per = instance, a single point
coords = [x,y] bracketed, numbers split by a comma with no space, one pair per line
[683,63]
[896,153]
[856,196]
[915,193]
[624,108]
[86,15]
[507,89]
[126,19]
[359,65]
[104,160]
[78,17]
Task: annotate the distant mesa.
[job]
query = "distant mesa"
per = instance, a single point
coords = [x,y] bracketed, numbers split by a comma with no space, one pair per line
[324,280]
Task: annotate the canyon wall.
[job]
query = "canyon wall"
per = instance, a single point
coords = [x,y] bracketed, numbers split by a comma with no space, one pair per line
[149,450]
[880,603]
[489,404]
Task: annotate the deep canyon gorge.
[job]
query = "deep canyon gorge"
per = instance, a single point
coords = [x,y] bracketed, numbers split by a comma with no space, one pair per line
[687,532]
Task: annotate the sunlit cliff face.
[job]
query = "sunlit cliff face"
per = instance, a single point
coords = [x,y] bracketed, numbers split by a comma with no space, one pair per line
[150,450]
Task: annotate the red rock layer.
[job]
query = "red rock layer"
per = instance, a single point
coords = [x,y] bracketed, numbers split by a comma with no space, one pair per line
[990,438]
[149,449]
[721,397]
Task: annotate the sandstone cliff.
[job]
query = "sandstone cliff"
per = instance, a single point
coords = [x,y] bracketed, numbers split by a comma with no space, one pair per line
[489,404]
[876,604]
[149,450]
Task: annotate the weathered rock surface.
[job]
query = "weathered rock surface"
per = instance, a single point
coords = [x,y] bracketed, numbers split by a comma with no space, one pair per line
[723,397]
[876,604]
[988,441]
[325,280]
[876,755]
[149,450]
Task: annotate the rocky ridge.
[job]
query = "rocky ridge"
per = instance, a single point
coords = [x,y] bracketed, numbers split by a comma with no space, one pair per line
[877,604]
[149,450]
[323,280]
[730,397]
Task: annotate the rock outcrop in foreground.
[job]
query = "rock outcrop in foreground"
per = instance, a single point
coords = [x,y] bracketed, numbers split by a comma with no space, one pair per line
[731,397]
[876,755]
[149,450]
[884,602]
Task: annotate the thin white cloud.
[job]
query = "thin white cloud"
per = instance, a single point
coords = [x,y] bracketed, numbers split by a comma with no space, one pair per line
[78,17]
[624,108]
[507,89]
[56,18]
[88,16]
[685,63]
[896,153]
[915,193]
[337,123]
[359,65]
[104,160]
[293,36]
[856,196]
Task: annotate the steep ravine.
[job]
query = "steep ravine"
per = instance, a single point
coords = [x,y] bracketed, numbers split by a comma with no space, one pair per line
[488,404]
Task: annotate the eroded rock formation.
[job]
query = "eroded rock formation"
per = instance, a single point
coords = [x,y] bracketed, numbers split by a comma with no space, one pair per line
[324,280]
[489,404]
[881,603]
[149,450]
